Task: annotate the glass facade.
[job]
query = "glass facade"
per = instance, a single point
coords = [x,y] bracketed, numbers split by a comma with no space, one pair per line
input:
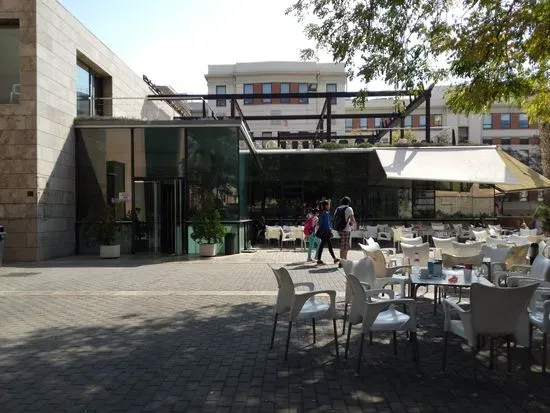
[10,83]
[157,179]
[89,92]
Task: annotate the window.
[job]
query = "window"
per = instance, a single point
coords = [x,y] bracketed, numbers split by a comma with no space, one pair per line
[438,120]
[10,79]
[363,123]
[349,123]
[248,89]
[377,122]
[505,141]
[267,134]
[331,87]
[523,121]
[221,90]
[408,121]
[266,90]
[524,141]
[422,121]
[463,134]
[302,88]
[505,120]
[487,141]
[487,121]
[285,88]
[89,92]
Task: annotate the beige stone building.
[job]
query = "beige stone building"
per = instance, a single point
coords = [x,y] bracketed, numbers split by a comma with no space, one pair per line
[53,69]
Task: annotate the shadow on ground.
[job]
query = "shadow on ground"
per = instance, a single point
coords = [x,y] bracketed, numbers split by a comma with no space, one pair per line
[218,357]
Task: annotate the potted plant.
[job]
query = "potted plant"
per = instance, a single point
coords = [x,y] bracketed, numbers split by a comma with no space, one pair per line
[208,232]
[101,229]
[542,214]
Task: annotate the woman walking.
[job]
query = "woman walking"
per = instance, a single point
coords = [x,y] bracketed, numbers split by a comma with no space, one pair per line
[310,228]
[325,232]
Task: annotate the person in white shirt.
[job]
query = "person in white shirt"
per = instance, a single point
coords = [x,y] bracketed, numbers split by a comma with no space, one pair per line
[345,232]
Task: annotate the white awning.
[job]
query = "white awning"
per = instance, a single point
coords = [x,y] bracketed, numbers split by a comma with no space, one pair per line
[450,164]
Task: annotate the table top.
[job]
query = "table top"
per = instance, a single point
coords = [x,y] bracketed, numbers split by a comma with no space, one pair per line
[443,278]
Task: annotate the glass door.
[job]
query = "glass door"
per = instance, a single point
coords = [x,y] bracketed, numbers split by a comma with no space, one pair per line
[158,216]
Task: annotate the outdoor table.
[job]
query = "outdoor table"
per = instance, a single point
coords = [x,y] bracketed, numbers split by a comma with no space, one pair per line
[442,280]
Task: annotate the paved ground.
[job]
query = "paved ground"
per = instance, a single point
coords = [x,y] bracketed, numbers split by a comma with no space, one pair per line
[136,335]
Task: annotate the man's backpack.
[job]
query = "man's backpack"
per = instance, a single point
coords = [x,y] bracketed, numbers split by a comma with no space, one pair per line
[340,222]
[308,226]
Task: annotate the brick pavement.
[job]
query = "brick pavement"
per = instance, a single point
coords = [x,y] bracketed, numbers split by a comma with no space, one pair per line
[133,335]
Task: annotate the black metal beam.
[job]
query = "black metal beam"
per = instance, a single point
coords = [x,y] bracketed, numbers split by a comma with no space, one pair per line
[313,117]
[310,95]
[310,137]
[428,96]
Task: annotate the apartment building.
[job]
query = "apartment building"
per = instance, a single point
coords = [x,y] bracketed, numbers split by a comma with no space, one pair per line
[53,70]
[279,77]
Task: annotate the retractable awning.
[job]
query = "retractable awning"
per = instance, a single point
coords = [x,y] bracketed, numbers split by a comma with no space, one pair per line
[448,164]
[529,179]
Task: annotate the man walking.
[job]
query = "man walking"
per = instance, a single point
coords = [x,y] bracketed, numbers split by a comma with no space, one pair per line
[344,222]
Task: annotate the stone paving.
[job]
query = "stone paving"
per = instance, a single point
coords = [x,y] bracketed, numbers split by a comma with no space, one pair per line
[165,335]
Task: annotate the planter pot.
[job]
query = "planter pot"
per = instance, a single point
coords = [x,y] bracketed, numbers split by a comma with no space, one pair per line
[109,251]
[207,250]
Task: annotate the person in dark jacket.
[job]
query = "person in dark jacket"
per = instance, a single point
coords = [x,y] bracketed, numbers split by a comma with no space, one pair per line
[325,232]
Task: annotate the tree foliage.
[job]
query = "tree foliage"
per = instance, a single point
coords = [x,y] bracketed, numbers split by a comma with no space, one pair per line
[490,50]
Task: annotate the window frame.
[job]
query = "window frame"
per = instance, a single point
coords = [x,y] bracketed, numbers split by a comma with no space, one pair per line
[304,101]
[436,117]
[267,100]
[333,100]
[523,124]
[12,93]
[248,101]
[378,123]
[364,126]
[409,123]
[509,122]
[284,100]
[221,102]
[420,123]
[487,125]
[348,121]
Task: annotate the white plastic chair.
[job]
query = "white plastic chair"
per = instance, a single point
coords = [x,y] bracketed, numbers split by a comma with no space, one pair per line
[298,234]
[363,270]
[450,260]
[15,92]
[384,275]
[494,312]
[527,232]
[379,316]
[481,235]
[272,232]
[372,232]
[444,245]
[288,238]
[302,305]
[496,242]
[466,250]
[539,270]
[409,252]
[412,240]
[438,230]
[519,239]
[515,259]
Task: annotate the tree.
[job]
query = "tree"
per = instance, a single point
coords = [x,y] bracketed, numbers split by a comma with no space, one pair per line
[491,50]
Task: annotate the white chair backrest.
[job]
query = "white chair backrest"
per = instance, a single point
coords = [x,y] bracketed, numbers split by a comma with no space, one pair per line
[409,252]
[542,246]
[362,269]
[372,243]
[273,232]
[450,260]
[481,236]
[285,295]
[492,242]
[372,231]
[379,263]
[495,254]
[411,240]
[445,244]
[519,239]
[541,268]
[297,232]
[467,250]
[495,227]
[358,299]
[438,226]
[497,311]
[526,232]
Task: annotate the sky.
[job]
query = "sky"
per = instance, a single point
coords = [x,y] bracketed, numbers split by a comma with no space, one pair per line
[174,41]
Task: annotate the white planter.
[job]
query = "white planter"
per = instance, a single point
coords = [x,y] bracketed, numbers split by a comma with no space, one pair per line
[109,251]
[207,250]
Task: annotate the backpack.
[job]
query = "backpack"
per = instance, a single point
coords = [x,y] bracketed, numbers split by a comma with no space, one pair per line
[340,222]
[308,226]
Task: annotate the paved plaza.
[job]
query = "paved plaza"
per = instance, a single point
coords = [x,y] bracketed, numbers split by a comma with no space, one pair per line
[164,335]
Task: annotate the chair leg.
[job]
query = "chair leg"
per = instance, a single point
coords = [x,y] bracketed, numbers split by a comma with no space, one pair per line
[508,354]
[544,348]
[347,341]
[530,348]
[491,352]
[445,342]
[335,337]
[370,338]
[360,353]
[288,339]
[474,367]
[274,327]
[395,343]
[415,347]
[345,317]
[313,324]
